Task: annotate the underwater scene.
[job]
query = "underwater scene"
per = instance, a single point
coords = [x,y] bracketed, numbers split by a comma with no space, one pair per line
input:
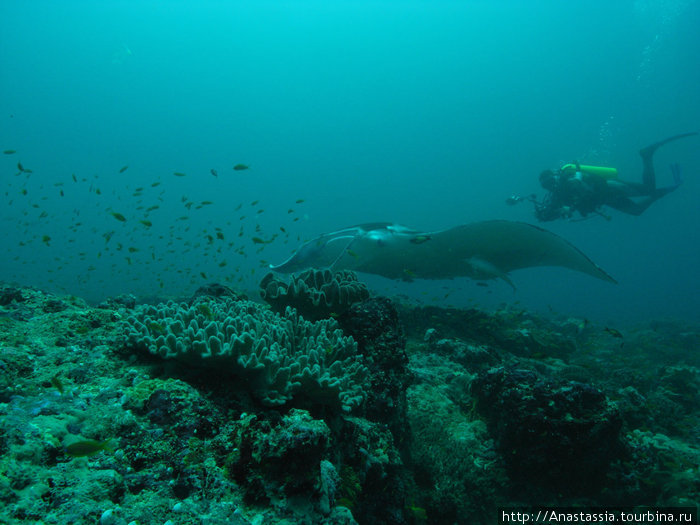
[349,262]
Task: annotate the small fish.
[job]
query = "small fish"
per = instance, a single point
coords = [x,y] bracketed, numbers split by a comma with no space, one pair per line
[299,201]
[179,174]
[10,151]
[352,254]
[254,202]
[151,208]
[123,169]
[204,275]
[480,283]
[62,194]
[420,239]
[153,185]
[613,332]
[220,236]
[241,167]
[89,447]
[214,172]
[20,167]
[46,240]
[75,179]
[118,216]
[56,383]
[206,203]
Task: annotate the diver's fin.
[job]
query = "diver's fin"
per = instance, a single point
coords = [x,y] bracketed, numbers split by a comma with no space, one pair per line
[648,175]
[649,150]
[677,176]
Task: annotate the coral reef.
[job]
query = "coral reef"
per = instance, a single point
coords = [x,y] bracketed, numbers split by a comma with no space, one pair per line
[453,418]
[315,294]
[280,357]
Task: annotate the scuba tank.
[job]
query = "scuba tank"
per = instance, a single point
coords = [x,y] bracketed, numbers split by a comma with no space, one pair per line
[598,171]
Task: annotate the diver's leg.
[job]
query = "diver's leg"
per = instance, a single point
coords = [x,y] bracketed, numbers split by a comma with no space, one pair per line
[647,154]
[629,206]
[626,205]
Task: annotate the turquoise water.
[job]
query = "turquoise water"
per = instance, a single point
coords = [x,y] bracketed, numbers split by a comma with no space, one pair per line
[428,114]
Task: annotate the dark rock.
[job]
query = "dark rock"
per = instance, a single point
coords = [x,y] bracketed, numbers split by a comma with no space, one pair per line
[159,407]
[470,356]
[215,290]
[9,294]
[125,300]
[54,305]
[557,436]
[513,331]
[376,327]
[284,457]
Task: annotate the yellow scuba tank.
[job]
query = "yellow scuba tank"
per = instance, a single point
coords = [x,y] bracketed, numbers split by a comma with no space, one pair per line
[599,171]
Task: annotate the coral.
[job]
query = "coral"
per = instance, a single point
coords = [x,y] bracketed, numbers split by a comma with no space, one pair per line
[280,357]
[316,294]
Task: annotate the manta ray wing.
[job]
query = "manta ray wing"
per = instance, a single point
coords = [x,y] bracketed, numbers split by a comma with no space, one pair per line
[482,250]
[506,246]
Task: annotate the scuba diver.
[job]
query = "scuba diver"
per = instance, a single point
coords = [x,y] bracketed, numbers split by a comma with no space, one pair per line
[586,189]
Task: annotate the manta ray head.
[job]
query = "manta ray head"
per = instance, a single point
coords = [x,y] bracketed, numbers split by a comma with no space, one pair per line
[383,233]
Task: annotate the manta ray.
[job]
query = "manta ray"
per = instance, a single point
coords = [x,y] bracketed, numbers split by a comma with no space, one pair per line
[480,250]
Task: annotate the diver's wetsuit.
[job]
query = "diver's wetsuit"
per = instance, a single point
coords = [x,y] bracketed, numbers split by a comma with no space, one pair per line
[588,195]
